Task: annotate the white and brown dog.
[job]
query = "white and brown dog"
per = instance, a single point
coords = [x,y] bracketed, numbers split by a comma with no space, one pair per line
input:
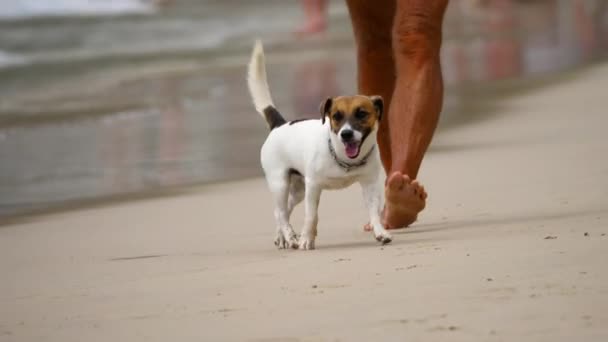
[301,158]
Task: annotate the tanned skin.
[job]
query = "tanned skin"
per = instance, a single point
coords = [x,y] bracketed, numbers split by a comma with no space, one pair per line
[398,44]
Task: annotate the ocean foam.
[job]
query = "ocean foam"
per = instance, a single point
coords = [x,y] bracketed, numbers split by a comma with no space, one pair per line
[24,9]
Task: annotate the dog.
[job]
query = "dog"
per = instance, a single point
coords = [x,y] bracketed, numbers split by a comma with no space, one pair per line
[303,157]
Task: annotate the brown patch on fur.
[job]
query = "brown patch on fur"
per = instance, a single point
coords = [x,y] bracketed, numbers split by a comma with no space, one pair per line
[362,112]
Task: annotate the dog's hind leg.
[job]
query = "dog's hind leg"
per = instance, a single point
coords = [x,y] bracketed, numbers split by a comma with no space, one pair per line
[296,193]
[279,186]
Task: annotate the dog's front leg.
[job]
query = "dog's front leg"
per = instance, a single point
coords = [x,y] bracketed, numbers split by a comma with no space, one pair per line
[311,205]
[373,197]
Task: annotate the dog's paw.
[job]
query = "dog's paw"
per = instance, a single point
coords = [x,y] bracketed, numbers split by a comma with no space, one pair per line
[384,237]
[279,241]
[285,243]
[307,243]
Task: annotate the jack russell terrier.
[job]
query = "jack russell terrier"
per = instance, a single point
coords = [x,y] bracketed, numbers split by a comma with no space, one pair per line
[303,157]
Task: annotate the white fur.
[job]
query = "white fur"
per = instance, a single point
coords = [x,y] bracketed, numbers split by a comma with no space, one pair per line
[256,79]
[304,147]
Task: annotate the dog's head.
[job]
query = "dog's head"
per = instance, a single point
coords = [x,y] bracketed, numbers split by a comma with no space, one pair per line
[352,119]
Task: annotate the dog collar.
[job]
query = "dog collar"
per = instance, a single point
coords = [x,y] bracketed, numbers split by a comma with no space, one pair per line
[348,166]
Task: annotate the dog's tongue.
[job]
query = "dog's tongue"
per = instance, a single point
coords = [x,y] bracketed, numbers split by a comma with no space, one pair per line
[352,149]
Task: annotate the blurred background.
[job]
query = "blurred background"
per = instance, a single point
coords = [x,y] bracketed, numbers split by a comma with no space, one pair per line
[109,99]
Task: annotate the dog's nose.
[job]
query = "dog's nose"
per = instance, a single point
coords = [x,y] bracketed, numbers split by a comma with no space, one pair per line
[347,134]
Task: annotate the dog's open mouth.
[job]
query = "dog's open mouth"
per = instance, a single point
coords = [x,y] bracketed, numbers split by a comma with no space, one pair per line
[352,149]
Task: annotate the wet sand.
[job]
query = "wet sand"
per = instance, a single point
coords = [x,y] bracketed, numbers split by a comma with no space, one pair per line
[511,247]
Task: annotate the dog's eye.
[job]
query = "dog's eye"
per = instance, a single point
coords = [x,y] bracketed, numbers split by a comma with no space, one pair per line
[338,116]
[361,114]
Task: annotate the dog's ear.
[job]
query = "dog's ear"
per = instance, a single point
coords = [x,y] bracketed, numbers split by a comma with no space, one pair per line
[325,107]
[378,104]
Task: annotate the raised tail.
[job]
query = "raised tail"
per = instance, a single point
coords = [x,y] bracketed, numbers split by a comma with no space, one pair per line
[258,88]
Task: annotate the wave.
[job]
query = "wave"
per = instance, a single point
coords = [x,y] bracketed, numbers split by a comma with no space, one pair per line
[8,59]
[25,9]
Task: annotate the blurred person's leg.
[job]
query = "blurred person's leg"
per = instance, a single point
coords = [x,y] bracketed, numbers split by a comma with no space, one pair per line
[398,45]
[313,80]
[315,12]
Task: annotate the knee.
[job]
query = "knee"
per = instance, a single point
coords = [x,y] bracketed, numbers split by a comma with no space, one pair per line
[417,36]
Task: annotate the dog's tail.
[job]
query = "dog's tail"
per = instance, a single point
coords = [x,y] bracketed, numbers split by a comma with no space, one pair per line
[258,87]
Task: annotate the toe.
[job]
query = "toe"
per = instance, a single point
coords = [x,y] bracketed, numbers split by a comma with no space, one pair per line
[415,189]
[422,193]
[418,190]
[416,185]
[395,181]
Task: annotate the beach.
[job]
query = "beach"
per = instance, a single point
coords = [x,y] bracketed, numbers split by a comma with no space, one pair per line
[512,246]
[132,203]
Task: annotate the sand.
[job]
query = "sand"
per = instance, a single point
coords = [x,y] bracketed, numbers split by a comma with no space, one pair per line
[512,247]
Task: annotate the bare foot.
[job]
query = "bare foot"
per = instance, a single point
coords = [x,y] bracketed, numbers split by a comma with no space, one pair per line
[404,200]
[407,199]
